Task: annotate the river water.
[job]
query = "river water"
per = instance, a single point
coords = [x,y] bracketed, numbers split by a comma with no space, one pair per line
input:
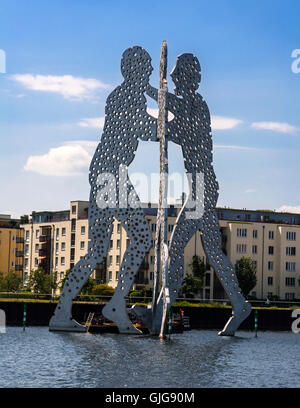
[199,358]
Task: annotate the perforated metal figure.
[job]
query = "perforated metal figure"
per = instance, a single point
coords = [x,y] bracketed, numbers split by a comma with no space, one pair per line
[126,121]
[191,129]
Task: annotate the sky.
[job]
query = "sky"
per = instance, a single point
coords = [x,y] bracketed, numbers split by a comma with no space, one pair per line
[63,60]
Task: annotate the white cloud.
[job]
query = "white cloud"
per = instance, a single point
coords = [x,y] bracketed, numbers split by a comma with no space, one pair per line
[71,159]
[223,123]
[233,147]
[68,86]
[250,190]
[92,122]
[289,209]
[275,126]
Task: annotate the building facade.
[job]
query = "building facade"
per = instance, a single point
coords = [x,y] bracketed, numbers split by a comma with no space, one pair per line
[272,241]
[57,240]
[11,246]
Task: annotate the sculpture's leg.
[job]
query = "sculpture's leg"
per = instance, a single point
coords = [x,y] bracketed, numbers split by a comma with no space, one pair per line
[211,240]
[62,318]
[139,233]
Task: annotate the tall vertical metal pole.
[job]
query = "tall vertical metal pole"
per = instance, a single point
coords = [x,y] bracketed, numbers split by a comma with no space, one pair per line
[161,245]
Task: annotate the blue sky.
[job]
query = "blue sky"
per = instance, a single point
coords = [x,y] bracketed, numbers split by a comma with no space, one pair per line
[63,59]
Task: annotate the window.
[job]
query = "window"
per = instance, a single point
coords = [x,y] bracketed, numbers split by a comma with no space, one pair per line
[271,234]
[207,279]
[290,266]
[82,230]
[271,250]
[127,242]
[56,262]
[291,236]
[36,249]
[118,243]
[270,265]
[73,225]
[62,260]
[152,243]
[82,244]
[290,251]
[27,249]
[241,248]
[111,244]
[57,233]
[63,232]
[153,227]
[290,296]
[36,262]
[110,259]
[25,276]
[254,249]
[253,294]
[117,275]
[26,263]
[63,246]
[170,227]
[37,234]
[62,275]
[119,228]
[289,281]
[56,248]
[152,258]
[110,275]
[270,280]
[73,209]
[254,263]
[27,235]
[242,232]
[151,276]
[118,259]
[254,233]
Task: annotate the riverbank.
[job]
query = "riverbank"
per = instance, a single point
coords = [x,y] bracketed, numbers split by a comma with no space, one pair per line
[39,314]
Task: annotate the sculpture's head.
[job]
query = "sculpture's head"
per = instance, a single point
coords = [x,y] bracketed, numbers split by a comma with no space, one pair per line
[186,74]
[136,65]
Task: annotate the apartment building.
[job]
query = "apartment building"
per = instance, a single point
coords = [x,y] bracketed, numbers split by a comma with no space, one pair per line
[272,241]
[56,240]
[11,245]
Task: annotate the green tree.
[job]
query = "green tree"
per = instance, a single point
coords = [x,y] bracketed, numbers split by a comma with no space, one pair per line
[10,282]
[198,267]
[40,281]
[87,288]
[246,274]
[24,219]
[62,282]
[103,289]
[193,282]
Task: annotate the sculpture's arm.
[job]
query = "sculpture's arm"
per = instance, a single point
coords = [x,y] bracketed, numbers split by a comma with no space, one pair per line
[152,92]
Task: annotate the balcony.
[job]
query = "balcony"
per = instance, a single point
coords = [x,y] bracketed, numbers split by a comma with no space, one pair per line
[43,253]
[19,267]
[20,240]
[141,281]
[144,265]
[19,254]
[44,238]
